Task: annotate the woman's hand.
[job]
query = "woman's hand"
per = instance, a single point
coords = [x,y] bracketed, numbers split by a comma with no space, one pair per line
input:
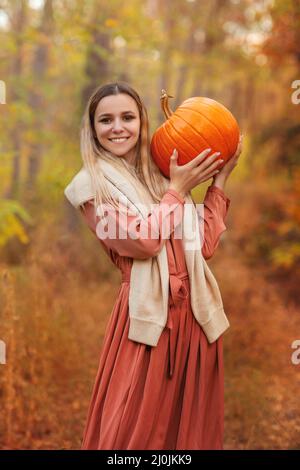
[183,178]
[220,179]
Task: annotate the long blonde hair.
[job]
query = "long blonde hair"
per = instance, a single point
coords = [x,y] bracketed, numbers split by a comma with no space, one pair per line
[147,176]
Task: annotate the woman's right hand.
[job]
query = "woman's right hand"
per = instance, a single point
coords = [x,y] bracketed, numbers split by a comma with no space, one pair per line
[183,178]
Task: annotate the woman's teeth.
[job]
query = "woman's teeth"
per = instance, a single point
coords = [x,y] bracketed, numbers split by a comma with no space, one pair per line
[119,139]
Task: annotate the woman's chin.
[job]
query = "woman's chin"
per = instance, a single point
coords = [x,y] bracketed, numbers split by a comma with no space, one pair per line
[115,151]
[121,152]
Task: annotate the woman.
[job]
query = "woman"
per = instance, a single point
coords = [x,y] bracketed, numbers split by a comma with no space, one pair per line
[168,395]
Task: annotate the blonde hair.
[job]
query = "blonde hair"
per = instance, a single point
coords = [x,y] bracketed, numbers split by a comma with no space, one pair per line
[147,175]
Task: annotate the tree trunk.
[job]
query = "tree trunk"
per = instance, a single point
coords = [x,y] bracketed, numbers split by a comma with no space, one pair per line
[40,66]
[18,22]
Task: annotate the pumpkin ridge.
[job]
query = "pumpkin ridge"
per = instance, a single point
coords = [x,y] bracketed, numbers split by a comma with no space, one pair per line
[162,144]
[212,123]
[219,108]
[181,136]
[169,135]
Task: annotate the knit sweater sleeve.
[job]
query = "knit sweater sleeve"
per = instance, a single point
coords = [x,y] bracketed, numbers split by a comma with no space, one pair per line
[133,236]
[216,205]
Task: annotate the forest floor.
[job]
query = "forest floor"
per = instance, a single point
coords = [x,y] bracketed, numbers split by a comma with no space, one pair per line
[54,314]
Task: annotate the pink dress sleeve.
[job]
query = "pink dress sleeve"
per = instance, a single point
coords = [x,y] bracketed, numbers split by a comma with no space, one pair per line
[216,205]
[161,222]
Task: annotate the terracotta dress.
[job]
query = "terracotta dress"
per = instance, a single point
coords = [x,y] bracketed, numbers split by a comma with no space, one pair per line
[170,396]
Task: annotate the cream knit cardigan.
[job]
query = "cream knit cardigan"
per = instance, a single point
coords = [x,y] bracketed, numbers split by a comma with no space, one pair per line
[148,309]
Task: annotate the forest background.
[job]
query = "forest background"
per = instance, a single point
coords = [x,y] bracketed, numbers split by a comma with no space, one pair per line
[57,285]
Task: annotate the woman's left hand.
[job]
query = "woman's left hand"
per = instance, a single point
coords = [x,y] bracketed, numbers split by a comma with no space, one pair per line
[231,163]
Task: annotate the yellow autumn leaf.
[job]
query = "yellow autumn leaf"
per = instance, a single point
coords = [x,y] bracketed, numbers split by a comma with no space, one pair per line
[111,23]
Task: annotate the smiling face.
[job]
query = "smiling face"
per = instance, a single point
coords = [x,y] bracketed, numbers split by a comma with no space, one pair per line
[117,125]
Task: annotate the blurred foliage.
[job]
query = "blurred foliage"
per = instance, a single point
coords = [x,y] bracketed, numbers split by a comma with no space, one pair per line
[52,57]
[12,218]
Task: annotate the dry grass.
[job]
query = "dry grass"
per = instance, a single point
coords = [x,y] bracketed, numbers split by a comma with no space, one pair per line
[53,323]
[261,387]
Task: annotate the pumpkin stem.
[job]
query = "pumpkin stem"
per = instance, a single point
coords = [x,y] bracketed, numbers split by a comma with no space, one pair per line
[164,101]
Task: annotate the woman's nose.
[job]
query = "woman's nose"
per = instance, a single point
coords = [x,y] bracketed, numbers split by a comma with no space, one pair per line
[117,126]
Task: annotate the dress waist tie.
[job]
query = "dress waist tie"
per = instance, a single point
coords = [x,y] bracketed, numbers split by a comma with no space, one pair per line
[178,293]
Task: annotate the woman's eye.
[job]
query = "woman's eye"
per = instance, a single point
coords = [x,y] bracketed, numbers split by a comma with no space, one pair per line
[107,120]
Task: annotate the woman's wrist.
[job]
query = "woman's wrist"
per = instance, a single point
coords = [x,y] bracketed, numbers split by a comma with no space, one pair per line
[219,182]
[174,188]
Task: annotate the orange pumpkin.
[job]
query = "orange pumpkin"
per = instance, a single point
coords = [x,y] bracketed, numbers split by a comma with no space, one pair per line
[197,124]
